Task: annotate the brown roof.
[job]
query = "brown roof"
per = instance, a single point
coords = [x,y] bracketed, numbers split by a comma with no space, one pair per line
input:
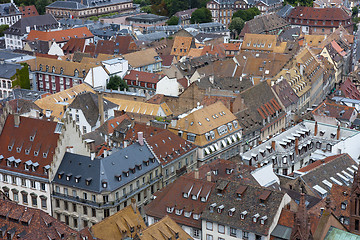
[28,11]
[216,50]
[147,77]
[30,223]
[156,99]
[118,226]
[124,44]
[316,164]
[286,218]
[285,93]
[33,139]
[173,196]
[142,58]
[148,131]
[349,89]
[332,109]
[181,46]
[74,45]
[311,13]
[61,35]
[168,146]
[109,126]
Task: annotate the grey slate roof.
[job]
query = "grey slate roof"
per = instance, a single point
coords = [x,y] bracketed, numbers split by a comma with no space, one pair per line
[5,9]
[146,17]
[42,23]
[88,104]
[26,94]
[7,70]
[79,4]
[106,169]
[285,11]
[150,37]
[6,54]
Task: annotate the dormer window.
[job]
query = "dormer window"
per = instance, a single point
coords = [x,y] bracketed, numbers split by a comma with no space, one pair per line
[212,207]
[146,163]
[169,209]
[77,179]
[132,170]
[76,73]
[203,199]
[263,220]
[139,166]
[187,214]
[88,181]
[178,211]
[343,206]
[152,159]
[255,217]
[10,148]
[8,163]
[68,177]
[61,70]
[36,153]
[104,184]
[47,68]
[44,155]
[53,69]
[229,171]
[220,208]
[185,195]
[118,177]
[27,151]
[196,216]
[126,173]
[18,149]
[231,212]
[230,126]
[235,123]
[215,172]
[60,175]
[194,197]
[322,133]
[243,214]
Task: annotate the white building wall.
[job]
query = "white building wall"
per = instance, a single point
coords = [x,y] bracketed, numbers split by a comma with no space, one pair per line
[55,50]
[168,87]
[97,77]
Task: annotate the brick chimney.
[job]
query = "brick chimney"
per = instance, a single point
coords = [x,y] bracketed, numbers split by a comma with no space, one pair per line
[297,146]
[338,132]
[141,138]
[316,129]
[273,145]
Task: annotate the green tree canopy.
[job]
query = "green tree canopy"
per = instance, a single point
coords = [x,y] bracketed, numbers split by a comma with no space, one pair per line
[41,4]
[355,11]
[236,25]
[2,29]
[116,83]
[201,15]
[247,14]
[174,20]
[21,78]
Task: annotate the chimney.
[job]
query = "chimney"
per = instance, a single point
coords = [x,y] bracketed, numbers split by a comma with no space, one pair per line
[338,132]
[101,107]
[133,204]
[92,156]
[105,153]
[316,129]
[297,146]
[273,145]
[16,120]
[208,176]
[141,138]
[137,80]
[196,173]
[186,124]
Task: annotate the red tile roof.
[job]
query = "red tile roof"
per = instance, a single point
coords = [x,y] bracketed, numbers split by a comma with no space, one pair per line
[143,76]
[61,35]
[33,135]
[332,109]
[168,146]
[172,196]
[148,131]
[183,82]
[269,108]
[232,46]
[156,99]
[350,90]
[125,44]
[109,126]
[31,223]
[311,13]
[318,163]
[216,50]
[167,60]
[28,11]
[45,55]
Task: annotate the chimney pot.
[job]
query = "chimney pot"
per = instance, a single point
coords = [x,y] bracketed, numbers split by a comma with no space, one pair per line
[16,120]
[316,129]
[338,132]
[297,146]
[141,138]
[92,156]
[273,145]
[208,176]
[196,173]
[133,204]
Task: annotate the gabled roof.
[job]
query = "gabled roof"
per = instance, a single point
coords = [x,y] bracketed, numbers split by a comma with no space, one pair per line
[131,134]
[182,45]
[336,14]
[7,70]
[147,77]
[31,223]
[264,24]
[119,225]
[168,146]
[89,105]
[335,110]
[74,45]
[349,89]
[61,35]
[108,127]
[142,58]
[285,93]
[33,139]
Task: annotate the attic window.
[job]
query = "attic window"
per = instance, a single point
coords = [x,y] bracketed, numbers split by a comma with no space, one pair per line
[263,220]
[169,209]
[18,149]
[44,155]
[126,173]
[231,212]
[255,217]
[77,178]
[36,153]
[60,175]
[212,207]
[104,184]
[10,148]
[88,181]
[118,177]
[235,123]
[220,208]
[243,214]
[68,177]
[178,211]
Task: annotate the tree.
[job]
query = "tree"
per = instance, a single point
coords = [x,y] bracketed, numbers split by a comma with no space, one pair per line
[40,5]
[355,11]
[146,9]
[236,25]
[174,20]
[2,29]
[21,78]
[116,83]
[247,14]
[201,15]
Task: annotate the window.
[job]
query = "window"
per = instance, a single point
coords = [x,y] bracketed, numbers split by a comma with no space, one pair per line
[209,226]
[43,203]
[25,198]
[85,210]
[221,228]
[15,196]
[34,200]
[67,220]
[191,137]
[196,233]
[93,211]
[75,223]
[74,193]
[66,205]
[23,182]
[245,235]
[86,223]
[66,191]
[343,206]
[74,207]
[232,232]
[85,195]
[209,237]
